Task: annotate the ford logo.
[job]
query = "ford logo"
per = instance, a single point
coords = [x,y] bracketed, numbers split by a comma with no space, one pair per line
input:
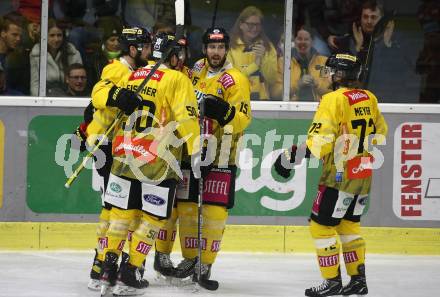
[153,199]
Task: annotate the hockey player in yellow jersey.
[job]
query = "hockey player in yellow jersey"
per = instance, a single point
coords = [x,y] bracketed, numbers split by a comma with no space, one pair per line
[345,127]
[135,45]
[147,147]
[226,95]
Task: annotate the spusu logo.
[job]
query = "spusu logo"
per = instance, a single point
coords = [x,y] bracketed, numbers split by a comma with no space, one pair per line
[153,199]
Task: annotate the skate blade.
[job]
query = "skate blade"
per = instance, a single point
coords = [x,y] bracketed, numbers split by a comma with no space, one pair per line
[182,282]
[94,285]
[106,291]
[163,280]
[122,290]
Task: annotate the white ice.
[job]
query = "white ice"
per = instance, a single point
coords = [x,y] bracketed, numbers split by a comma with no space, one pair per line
[65,274]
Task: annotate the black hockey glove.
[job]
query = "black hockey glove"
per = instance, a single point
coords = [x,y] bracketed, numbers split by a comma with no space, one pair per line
[88,113]
[218,109]
[80,136]
[126,100]
[286,158]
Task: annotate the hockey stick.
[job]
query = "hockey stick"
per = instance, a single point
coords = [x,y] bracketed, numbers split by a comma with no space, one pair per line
[214,16]
[180,20]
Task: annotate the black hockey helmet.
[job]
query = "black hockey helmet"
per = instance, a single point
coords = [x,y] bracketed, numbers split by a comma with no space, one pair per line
[164,42]
[134,36]
[216,34]
[347,66]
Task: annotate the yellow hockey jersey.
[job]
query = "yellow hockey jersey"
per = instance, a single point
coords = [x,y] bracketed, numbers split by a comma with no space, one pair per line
[339,134]
[232,86]
[148,146]
[103,116]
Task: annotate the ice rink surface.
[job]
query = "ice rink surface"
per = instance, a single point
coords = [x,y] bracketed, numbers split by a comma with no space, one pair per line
[65,274]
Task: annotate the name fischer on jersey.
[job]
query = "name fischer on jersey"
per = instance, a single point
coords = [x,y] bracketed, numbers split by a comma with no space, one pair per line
[149,91]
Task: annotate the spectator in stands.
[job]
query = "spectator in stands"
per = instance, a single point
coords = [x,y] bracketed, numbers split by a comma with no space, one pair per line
[101,57]
[388,71]
[10,36]
[4,90]
[305,81]
[339,17]
[76,81]
[81,34]
[252,52]
[60,54]
[13,57]
[428,61]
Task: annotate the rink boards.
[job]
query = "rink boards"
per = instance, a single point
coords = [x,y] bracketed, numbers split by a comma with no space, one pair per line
[237,238]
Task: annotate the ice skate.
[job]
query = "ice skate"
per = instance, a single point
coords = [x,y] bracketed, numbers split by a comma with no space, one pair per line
[108,273]
[163,264]
[130,282]
[357,285]
[204,280]
[94,282]
[329,287]
[185,268]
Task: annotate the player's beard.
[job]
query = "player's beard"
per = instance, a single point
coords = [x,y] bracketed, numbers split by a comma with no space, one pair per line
[218,65]
[139,62]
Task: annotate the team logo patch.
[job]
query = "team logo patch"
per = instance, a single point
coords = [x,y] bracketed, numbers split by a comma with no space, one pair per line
[198,66]
[318,199]
[350,257]
[143,73]
[226,80]
[143,248]
[328,261]
[162,234]
[191,243]
[153,199]
[115,187]
[215,247]
[359,167]
[141,149]
[103,242]
[356,96]
[121,245]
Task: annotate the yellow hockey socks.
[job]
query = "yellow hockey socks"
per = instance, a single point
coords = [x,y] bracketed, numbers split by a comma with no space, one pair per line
[354,255]
[167,234]
[143,239]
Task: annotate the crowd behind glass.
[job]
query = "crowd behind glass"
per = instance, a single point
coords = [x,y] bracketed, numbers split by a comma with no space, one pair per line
[398,43]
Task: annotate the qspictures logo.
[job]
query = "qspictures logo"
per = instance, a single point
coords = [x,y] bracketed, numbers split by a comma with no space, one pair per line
[416,182]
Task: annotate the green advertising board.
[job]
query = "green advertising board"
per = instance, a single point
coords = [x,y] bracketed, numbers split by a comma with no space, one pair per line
[45,178]
[259,190]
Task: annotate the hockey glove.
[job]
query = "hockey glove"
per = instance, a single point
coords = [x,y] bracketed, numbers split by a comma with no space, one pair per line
[126,100]
[218,109]
[286,158]
[81,136]
[88,113]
